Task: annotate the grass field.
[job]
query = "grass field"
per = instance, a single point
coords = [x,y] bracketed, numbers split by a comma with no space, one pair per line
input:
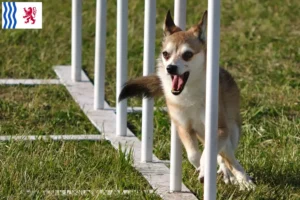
[260,46]
[49,108]
[30,168]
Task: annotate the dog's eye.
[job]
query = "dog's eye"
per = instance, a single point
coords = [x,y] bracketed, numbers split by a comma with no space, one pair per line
[166,55]
[187,55]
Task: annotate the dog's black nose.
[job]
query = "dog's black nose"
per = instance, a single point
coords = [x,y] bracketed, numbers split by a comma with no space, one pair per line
[172,69]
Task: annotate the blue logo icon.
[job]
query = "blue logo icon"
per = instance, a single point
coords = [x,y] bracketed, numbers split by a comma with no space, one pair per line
[9,15]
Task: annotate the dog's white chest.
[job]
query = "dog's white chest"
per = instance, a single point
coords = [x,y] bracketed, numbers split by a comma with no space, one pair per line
[190,115]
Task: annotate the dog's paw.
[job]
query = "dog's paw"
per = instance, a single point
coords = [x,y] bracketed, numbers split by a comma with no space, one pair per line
[200,170]
[246,183]
[228,177]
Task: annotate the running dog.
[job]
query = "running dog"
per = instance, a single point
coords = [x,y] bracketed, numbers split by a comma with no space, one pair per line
[181,78]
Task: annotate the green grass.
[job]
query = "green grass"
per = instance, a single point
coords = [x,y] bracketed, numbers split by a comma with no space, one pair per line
[27,169]
[39,166]
[41,110]
[260,46]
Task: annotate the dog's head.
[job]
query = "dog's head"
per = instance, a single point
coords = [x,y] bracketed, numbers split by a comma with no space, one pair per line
[183,53]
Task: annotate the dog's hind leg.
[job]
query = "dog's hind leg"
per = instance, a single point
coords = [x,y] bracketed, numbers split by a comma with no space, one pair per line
[222,140]
[244,181]
[228,177]
[234,135]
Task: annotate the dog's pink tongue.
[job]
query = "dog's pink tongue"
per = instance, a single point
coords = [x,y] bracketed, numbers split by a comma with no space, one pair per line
[177,82]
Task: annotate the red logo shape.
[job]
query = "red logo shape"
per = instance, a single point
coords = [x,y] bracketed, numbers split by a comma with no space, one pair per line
[30,14]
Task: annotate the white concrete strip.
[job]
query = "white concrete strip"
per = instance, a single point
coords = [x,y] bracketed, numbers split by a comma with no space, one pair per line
[51,137]
[90,192]
[156,172]
[29,81]
[136,109]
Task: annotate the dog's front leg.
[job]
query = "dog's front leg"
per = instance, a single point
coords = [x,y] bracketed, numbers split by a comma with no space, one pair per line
[189,140]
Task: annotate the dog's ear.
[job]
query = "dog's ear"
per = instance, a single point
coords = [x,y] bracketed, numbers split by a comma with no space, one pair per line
[201,28]
[169,25]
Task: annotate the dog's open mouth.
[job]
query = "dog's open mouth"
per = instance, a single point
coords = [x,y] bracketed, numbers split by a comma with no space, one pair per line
[178,82]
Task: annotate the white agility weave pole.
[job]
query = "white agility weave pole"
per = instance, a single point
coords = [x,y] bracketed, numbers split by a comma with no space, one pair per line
[176,146]
[76,39]
[100,47]
[148,68]
[211,114]
[122,34]
[212,88]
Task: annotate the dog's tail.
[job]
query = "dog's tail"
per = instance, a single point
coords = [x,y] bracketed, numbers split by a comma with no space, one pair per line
[145,86]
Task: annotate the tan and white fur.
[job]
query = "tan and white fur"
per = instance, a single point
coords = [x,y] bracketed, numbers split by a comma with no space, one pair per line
[181,78]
